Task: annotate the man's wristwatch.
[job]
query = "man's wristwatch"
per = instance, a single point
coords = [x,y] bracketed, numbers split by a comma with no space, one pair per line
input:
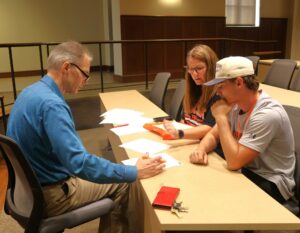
[180,133]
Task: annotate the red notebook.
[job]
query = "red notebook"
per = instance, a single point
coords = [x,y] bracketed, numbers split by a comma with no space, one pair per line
[166,197]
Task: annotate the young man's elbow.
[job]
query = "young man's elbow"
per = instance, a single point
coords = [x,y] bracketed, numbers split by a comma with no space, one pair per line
[234,166]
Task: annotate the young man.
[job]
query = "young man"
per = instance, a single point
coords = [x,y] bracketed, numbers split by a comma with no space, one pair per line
[42,124]
[254,130]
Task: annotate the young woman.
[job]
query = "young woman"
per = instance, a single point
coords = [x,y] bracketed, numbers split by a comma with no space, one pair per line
[201,67]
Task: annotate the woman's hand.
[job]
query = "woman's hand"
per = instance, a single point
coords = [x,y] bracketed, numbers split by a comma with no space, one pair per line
[171,129]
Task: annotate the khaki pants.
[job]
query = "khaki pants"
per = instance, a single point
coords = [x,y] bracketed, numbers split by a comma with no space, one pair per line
[76,192]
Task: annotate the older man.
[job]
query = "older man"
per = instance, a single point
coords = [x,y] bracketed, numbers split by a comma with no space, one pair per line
[254,130]
[42,124]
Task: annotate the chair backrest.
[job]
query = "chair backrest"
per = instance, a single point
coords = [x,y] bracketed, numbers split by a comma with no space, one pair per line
[24,197]
[3,113]
[255,60]
[158,91]
[280,73]
[295,83]
[294,116]
[85,111]
[175,107]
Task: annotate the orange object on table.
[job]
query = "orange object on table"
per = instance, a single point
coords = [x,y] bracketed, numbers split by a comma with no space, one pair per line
[153,128]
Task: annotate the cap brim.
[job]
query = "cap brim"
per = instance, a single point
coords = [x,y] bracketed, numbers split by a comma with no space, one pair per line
[214,81]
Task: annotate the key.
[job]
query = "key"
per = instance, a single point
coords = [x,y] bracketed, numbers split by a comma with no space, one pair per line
[176,212]
[183,209]
[178,206]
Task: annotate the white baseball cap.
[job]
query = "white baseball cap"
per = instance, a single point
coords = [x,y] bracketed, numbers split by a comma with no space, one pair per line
[231,67]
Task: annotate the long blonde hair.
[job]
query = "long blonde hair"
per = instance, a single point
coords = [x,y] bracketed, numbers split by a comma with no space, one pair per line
[196,96]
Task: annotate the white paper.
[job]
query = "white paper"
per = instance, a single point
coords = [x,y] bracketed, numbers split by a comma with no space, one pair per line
[144,146]
[120,117]
[177,125]
[121,112]
[130,129]
[170,161]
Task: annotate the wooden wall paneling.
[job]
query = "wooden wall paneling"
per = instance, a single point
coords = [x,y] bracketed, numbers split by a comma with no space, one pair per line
[279,31]
[153,28]
[156,56]
[220,27]
[236,32]
[175,58]
[173,28]
[273,29]
[132,28]
[249,48]
[191,27]
[252,33]
[207,28]
[265,29]
[133,58]
[170,56]
[174,51]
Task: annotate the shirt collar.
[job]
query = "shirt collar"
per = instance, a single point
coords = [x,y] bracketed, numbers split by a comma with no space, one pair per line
[53,86]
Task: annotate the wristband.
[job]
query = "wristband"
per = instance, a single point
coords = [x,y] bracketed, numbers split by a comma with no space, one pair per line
[180,133]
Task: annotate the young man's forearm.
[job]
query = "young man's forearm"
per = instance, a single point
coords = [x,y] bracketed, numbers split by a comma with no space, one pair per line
[210,141]
[229,144]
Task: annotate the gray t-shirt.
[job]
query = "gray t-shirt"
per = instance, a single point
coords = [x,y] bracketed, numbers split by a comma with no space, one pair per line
[268,131]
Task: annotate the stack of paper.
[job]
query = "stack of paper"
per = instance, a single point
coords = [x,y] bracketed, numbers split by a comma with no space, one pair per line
[125,121]
[123,116]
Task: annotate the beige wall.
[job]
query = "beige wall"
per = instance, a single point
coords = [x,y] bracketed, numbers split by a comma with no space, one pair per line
[269,8]
[55,20]
[275,8]
[295,37]
[47,21]
[180,8]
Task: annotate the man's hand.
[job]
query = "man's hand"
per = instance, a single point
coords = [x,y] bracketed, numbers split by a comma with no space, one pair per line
[199,157]
[148,167]
[171,129]
[220,108]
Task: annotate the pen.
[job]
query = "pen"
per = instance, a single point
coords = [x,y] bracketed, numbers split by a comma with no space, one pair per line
[120,125]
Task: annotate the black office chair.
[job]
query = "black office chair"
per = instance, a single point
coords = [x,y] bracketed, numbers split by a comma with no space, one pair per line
[25,201]
[295,83]
[175,108]
[255,60]
[280,73]
[294,116]
[3,113]
[85,111]
[158,91]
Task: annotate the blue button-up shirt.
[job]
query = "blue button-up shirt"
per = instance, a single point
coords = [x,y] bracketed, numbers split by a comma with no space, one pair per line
[42,124]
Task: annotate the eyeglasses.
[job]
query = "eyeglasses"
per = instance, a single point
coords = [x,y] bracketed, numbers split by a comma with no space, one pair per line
[196,69]
[85,74]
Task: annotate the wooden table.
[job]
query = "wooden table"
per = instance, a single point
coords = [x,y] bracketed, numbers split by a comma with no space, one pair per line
[284,96]
[218,199]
